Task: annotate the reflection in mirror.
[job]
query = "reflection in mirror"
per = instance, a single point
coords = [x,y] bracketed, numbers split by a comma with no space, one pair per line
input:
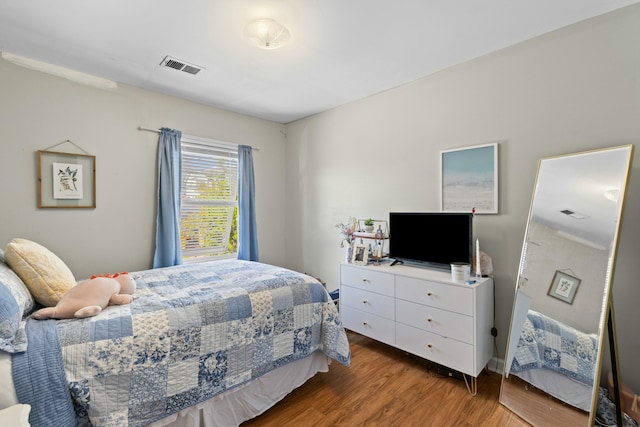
[552,364]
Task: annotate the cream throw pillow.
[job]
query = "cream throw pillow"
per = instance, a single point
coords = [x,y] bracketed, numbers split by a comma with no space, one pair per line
[46,275]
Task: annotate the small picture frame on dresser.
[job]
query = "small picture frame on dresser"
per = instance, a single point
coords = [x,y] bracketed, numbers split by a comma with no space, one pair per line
[360,254]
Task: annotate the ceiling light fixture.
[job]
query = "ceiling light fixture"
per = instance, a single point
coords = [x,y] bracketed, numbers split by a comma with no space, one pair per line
[267,33]
[613,195]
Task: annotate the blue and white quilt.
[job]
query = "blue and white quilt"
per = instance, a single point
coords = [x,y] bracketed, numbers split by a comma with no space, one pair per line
[547,343]
[192,332]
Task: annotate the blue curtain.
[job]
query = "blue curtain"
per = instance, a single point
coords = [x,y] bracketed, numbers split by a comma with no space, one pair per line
[247,230]
[169,180]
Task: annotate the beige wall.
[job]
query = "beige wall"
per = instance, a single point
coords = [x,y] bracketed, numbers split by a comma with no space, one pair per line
[572,90]
[548,252]
[38,111]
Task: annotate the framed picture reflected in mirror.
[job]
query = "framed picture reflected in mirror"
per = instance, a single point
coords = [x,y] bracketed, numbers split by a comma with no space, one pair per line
[564,287]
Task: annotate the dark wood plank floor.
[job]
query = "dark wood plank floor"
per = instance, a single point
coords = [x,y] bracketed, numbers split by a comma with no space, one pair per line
[387,387]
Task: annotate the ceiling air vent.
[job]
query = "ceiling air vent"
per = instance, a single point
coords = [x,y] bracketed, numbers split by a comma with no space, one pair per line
[178,64]
[574,214]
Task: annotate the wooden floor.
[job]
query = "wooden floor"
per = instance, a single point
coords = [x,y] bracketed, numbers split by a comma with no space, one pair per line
[387,387]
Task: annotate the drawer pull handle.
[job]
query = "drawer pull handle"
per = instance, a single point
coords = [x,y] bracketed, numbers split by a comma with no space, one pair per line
[364,323]
[429,293]
[429,319]
[364,301]
[364,279]
[429,345]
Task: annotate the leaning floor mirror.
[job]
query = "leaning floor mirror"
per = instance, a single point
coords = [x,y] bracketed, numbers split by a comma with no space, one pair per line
[562,301]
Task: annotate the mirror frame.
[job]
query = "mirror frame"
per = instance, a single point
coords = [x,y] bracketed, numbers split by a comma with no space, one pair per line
[533,414]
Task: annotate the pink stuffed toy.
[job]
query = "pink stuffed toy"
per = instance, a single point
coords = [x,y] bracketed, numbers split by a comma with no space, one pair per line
[90,297]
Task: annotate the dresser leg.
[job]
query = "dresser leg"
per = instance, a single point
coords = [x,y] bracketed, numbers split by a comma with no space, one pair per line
[472,384]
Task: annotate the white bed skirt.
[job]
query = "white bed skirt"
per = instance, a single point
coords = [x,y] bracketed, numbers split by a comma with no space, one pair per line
[249,400]
[229,409]
[7,390]
[559,386]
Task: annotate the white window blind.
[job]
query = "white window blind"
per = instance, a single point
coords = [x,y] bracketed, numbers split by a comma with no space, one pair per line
[209,206]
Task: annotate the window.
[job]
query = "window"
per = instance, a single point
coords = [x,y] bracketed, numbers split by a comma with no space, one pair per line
[209,203]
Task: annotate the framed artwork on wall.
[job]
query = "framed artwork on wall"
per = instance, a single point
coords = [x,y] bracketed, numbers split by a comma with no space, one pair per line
[469,179]
[66,180]
[564,287]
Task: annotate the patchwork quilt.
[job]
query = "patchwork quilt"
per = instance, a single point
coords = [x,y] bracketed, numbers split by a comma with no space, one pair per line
[547,343]
[192,332]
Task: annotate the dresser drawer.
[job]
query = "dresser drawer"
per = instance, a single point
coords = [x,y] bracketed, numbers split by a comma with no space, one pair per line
[430,319]
[444,351]
[368,324]
[369,302]
[367,279]
[435,294]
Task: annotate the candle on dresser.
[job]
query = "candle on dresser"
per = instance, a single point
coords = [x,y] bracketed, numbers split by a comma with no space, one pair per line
[478,272]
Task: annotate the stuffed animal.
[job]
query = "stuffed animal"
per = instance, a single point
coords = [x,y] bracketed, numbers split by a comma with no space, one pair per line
[90,297]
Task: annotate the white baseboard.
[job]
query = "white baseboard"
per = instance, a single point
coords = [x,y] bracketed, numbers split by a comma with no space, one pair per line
[496,365]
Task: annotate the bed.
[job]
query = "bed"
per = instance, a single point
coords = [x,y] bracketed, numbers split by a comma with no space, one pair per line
[557,359]
[209,344]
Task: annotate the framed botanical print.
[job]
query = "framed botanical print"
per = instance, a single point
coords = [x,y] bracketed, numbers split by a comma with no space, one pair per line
[564,287]
[66,180]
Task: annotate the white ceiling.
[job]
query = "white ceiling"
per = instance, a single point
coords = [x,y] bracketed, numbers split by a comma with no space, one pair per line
[578,183]
[341,50]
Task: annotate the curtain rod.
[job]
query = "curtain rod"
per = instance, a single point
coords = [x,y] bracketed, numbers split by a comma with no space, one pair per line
[158,131]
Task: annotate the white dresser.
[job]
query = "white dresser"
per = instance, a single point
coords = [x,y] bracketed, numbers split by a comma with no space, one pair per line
[422,312]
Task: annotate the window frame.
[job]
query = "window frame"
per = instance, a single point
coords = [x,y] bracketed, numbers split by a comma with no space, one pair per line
[217,252]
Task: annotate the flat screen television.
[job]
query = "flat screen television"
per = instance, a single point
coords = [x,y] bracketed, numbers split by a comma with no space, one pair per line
[431,239]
